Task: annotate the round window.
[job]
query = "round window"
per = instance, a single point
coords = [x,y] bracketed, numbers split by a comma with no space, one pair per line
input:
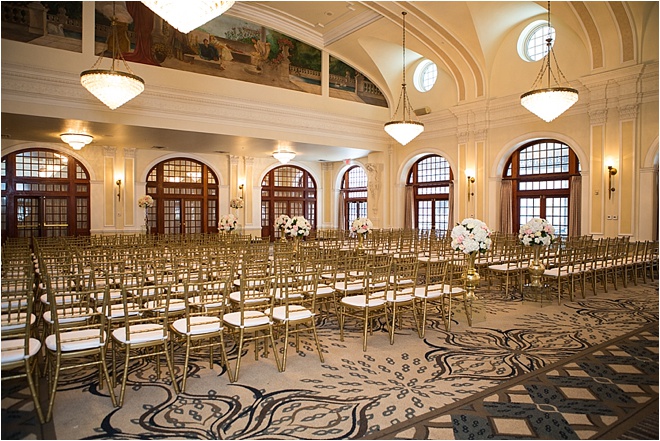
[425,75]
[532,44]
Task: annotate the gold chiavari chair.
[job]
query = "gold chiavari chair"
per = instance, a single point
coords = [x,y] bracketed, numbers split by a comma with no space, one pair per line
[144,332]
[431,294]
[78,338]
[372,304]
[402,287]
[558,272]
[248,321]
[202,326]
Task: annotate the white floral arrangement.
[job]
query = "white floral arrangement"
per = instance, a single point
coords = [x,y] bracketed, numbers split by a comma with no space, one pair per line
[146,201]
[537,232]
[236,203]
[362,225]
[297,226]
[471,235]
[227,222]
[281,221]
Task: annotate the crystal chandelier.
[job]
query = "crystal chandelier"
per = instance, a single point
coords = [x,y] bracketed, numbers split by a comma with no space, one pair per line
[112,87]
[405,129]
[550,102]
[284,156]
[76,140]
[190,14]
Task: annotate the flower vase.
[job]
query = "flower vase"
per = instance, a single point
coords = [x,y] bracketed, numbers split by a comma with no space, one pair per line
[536,268]
[360,244]
[471,276]
[282,235]
[146,221]
[296,244]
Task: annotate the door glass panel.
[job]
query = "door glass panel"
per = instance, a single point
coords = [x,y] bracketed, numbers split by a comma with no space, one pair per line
[441,214]
[296,209]
[55,217]
[172,214]
[529,208]
[27,216]
[193,217]
[424,219]
[556,212]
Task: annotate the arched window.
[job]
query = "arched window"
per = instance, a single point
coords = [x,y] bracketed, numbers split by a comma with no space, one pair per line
[185,195]
[286,190]
[542,172]
[45,193]
[430,179]
[354,194]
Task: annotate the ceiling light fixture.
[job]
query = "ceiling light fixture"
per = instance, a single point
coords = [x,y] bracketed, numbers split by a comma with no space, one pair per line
[405,129]
[548,103]
[76,140]
[189,15]
[284,156]
[112,87]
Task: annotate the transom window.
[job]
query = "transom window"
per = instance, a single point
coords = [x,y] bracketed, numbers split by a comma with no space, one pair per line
[430,178]
[425,76]
[354,194]
[532,44]
[541,172]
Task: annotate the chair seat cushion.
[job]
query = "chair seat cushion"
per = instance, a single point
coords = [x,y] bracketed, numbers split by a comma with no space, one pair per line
[349,286]
[360,301]
[77,340]
[175,305]
[14,350]
[401,297]
[433,293]
[236,297]
[117,310]
[251,319]
[142,333]
[18,321]
[198,325]
[74,315]
[296,313]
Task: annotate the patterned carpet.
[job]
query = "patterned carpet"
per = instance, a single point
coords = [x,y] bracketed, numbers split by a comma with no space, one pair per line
[519,357]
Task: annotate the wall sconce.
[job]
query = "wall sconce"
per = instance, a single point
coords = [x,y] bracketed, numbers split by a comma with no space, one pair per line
[118,189]
[240,187]
[470,181]
[611,171]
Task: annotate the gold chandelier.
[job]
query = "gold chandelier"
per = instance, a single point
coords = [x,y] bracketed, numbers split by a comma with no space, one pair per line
[190,14]
[406,128]
[550,102]
[112,87]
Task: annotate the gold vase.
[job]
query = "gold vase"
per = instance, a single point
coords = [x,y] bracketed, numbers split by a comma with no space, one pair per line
[471,276]
[296,244]
[536,268]
[360,244]
[146,220]
[282,235]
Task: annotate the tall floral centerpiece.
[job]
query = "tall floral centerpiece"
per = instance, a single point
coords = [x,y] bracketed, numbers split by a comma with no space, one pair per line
[146,202]
[297,227]
[236,203]
[227,223]
[280,222]
[537,233]
[361,226]
[472,237]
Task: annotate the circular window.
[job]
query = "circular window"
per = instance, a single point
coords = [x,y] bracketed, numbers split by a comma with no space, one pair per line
[425,75]
[532,44]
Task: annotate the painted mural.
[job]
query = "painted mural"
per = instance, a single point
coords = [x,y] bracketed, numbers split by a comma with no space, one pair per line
[52,24]
[349,84]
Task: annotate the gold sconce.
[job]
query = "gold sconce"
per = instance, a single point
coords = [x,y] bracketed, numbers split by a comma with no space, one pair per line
[611,171]
[118,189]
[240,187]
[470,181]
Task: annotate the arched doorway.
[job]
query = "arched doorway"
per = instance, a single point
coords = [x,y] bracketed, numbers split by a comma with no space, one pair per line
[45,193]
[287,190]
[353,195]
[544,176]
[185,194]
[429,183]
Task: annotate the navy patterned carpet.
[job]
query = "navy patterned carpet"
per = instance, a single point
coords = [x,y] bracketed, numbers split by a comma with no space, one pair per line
[523,370]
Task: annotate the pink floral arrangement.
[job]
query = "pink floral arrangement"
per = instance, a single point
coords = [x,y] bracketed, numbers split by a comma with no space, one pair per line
[146,201]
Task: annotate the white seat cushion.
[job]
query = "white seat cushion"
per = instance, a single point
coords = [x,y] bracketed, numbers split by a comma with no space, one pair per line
[296,313]
[17,321]
[420,293]
[14,350]
[251,319]
[117,310]
[349,286]
[198,325]
[76,340]
[400,297]
[360,301]
[142,333]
